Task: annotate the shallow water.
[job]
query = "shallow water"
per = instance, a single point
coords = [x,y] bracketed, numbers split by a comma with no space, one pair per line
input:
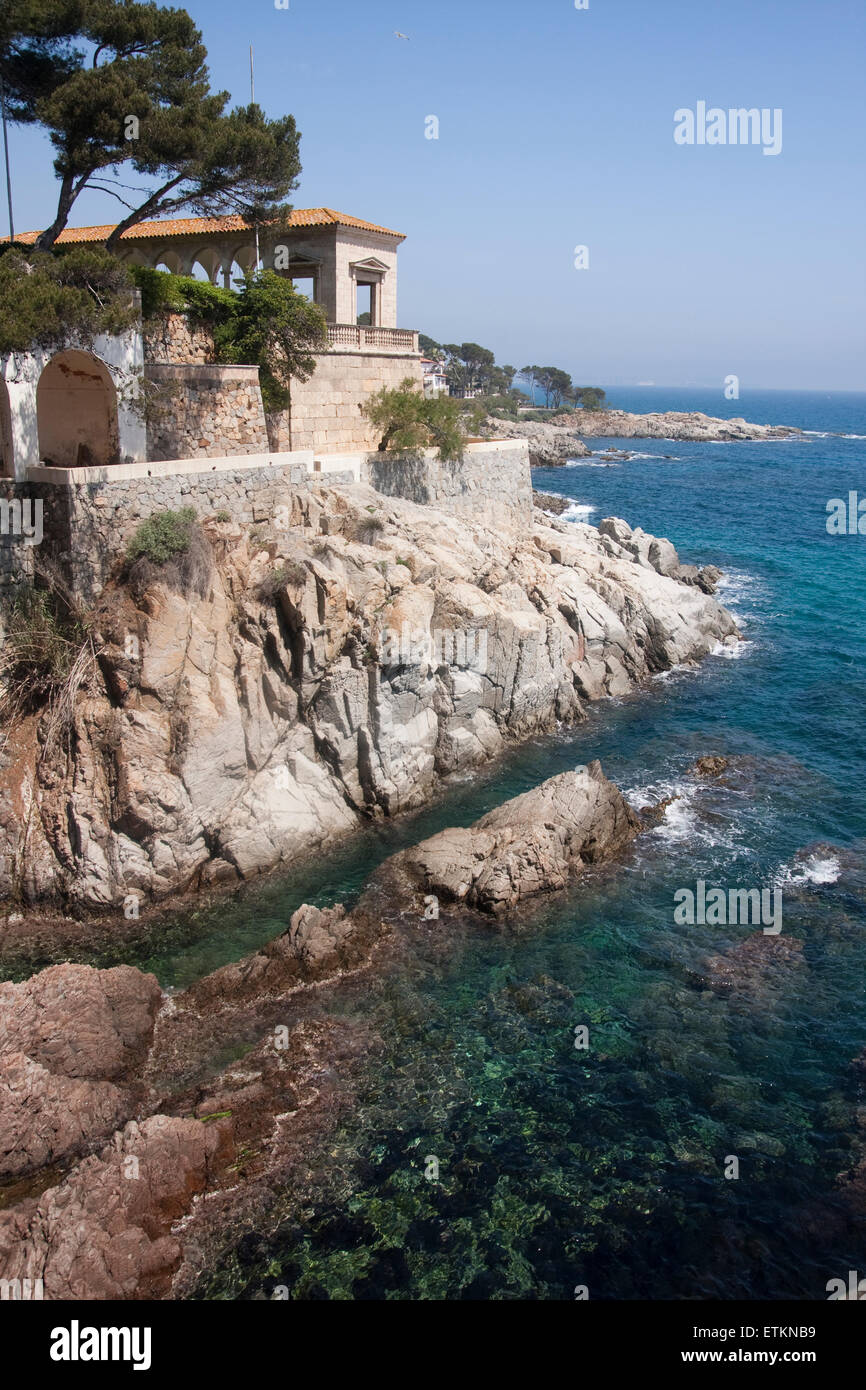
[605,1167]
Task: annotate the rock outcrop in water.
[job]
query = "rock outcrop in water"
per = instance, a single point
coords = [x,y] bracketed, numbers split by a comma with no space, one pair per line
[532,844]
[108,1229]
[70,1040]
[335,669]
[554,442]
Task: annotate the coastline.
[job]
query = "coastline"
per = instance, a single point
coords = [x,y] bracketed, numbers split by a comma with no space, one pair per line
[162,792]
[552,443]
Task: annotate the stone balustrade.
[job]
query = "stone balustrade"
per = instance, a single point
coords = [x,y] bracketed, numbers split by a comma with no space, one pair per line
[350,337]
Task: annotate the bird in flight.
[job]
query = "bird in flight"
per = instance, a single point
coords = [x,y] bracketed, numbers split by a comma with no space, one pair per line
[398,35]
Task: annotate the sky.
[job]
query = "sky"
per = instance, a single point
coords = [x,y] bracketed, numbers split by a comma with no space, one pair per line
[556,131]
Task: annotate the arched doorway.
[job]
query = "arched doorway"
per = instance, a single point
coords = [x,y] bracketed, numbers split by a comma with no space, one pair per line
[76,412]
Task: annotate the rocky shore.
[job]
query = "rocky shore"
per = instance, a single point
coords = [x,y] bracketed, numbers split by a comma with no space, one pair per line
[294,686]
[298,689]
[129,1165]
[554,442]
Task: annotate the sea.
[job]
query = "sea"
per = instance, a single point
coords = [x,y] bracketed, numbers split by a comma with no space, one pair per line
[587,1103]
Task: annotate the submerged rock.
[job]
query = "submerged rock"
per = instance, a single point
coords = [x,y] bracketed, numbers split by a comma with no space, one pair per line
[753,965]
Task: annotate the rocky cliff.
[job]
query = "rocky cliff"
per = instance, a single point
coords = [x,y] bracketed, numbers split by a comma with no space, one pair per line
[317,672]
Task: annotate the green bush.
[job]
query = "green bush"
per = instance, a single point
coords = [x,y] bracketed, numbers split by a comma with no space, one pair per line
[162,293]
[50,299]
[170,547]
[410,421]
[163,537]
[266,324]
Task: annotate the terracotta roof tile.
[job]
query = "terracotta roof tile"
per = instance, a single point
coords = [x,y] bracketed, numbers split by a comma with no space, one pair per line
[202,226]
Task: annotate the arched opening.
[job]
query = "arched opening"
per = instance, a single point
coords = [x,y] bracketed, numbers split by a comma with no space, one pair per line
[169,261]
[7,460]
[76,412]
[206,264]
[236,278]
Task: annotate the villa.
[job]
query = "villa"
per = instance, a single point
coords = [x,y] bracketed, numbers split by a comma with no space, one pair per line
[71,408]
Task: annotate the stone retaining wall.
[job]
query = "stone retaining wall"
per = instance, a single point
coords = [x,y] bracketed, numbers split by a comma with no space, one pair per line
[206,411]
[492,483]
[174,339]
[21,524]
[90,514]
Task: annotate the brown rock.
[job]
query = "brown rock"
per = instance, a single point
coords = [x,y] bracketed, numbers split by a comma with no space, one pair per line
[712,766]
[753,964]
[105,1231]
[81,1022]
[63,1034]
[45,1117]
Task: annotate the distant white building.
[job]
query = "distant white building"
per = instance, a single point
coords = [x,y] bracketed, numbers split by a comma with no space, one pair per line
[435,380]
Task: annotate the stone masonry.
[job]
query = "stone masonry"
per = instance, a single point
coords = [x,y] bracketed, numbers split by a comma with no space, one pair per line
[326,410]
[177,339]
[90,514]
[206,412]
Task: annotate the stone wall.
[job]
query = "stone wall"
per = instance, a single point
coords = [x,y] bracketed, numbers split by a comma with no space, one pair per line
[176,339]
[90,514]
[492,483]
[21,527]
[205,412]
[326,410]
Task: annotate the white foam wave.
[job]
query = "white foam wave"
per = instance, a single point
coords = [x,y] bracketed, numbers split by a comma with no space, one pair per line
[815,868]
[733,651]
[577,511]
[682,820]
[589,463]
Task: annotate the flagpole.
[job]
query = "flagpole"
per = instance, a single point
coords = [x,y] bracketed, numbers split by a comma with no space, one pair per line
[6,152]
[253,100]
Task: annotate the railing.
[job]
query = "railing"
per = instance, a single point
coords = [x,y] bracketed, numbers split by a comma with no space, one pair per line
[350,337]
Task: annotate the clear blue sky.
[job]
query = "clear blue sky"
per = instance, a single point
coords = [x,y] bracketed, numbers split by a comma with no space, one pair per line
[556,129]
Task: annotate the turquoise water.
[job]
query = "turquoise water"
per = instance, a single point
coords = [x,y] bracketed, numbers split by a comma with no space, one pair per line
[605,1167]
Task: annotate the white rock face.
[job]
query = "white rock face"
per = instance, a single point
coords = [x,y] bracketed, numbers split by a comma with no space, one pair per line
[308,688]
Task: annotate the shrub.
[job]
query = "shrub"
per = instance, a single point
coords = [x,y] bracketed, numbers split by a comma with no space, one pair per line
[365,530]
[170,546]
[290,572]
[47,654]
[42,641]
[163,536]
[410,421]
[162,293]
